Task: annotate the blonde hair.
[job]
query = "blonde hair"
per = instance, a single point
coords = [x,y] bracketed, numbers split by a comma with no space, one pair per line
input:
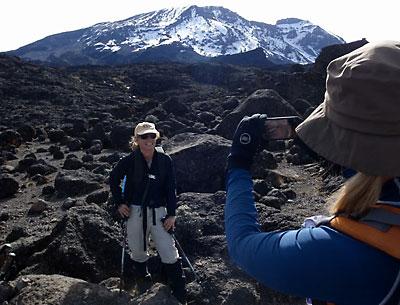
[357,195]
[133,144]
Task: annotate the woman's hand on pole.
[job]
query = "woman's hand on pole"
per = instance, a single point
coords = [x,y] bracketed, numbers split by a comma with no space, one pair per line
[169,223]
[123,210]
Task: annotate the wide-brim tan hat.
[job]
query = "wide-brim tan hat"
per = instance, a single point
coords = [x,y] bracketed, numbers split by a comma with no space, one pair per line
[145,127]
[358,124]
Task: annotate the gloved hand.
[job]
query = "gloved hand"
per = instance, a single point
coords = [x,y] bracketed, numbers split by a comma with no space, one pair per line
[246,141]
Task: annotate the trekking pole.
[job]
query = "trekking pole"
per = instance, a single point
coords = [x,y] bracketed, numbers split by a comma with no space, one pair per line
[172,233]
[124,234]
[186,259]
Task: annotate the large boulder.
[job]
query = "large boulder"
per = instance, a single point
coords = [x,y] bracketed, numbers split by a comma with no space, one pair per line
[27,132]
[41,167]
[200,223]
[84,244]
[9,138]
[59,289]
[332,52]
[120,136]
[56,135]
[199,161]
[75,183]
[97,132]
[8,186]
[262,101]
[174,105]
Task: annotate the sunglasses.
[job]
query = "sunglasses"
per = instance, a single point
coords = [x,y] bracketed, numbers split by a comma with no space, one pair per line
[148,135]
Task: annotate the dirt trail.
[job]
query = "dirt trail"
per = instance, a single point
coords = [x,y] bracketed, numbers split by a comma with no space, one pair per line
[306,182]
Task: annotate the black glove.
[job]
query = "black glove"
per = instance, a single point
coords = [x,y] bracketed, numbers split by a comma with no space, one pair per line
[246,141]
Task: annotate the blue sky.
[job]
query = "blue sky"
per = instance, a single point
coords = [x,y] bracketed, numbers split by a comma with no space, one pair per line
[25,21]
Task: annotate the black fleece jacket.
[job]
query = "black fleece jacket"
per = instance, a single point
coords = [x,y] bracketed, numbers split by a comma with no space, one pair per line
[162,187]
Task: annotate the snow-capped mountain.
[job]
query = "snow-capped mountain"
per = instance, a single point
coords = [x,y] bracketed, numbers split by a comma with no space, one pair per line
[188,33]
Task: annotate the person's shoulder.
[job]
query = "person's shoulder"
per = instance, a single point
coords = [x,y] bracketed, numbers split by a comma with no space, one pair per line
[128,158]
[163,155]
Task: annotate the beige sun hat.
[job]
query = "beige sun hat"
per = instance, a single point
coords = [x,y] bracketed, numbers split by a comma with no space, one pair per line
[358,124]
[145,127]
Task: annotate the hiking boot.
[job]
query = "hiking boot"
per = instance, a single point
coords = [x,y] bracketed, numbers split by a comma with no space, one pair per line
[143,284]
[176,280]
[143,277]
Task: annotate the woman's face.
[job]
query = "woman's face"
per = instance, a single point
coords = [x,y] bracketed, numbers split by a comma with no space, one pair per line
[146,143]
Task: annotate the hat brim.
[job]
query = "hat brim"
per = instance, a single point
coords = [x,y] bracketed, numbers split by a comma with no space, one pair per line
[370,154]
[149,131]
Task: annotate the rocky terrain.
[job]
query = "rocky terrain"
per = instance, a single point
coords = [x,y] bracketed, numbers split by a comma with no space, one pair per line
[61,132]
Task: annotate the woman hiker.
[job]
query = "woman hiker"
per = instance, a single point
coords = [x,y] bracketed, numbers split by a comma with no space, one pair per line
[354,256]
[149,202]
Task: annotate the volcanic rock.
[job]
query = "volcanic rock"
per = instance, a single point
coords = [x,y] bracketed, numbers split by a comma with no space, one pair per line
[38,207]
[58,289]
[97,197]
[27,132]
[68,203]
[200,224]
[261,101]
[41,167]
[87,158]
[56,135]
[16,233]
[72,163]
[120,136]
[10,138]
[74,144]
[77,183]
[272,201]
[25,163]
[8,186]
[48,190]
[199,161]
[158,294]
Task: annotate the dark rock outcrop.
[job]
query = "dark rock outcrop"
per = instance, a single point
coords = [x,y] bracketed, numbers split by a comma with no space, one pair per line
[332,52]
[120,136]
[8,186]
[199,161]
[262,101]
[59,289]
[77,183]
[10,138]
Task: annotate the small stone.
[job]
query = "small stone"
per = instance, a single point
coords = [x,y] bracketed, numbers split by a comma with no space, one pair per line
[38,207]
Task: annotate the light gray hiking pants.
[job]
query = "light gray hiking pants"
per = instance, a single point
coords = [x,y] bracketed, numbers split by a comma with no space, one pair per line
[164,242]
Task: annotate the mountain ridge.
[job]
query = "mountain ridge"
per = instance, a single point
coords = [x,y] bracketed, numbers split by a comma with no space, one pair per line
[209,31]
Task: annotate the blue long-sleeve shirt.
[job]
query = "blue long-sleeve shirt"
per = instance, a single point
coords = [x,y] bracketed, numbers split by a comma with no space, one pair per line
[320,263]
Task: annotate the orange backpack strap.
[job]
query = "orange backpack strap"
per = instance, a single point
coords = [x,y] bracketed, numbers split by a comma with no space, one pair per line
[379,229]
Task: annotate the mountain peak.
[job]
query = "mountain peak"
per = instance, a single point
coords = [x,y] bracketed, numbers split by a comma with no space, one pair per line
[290,21]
